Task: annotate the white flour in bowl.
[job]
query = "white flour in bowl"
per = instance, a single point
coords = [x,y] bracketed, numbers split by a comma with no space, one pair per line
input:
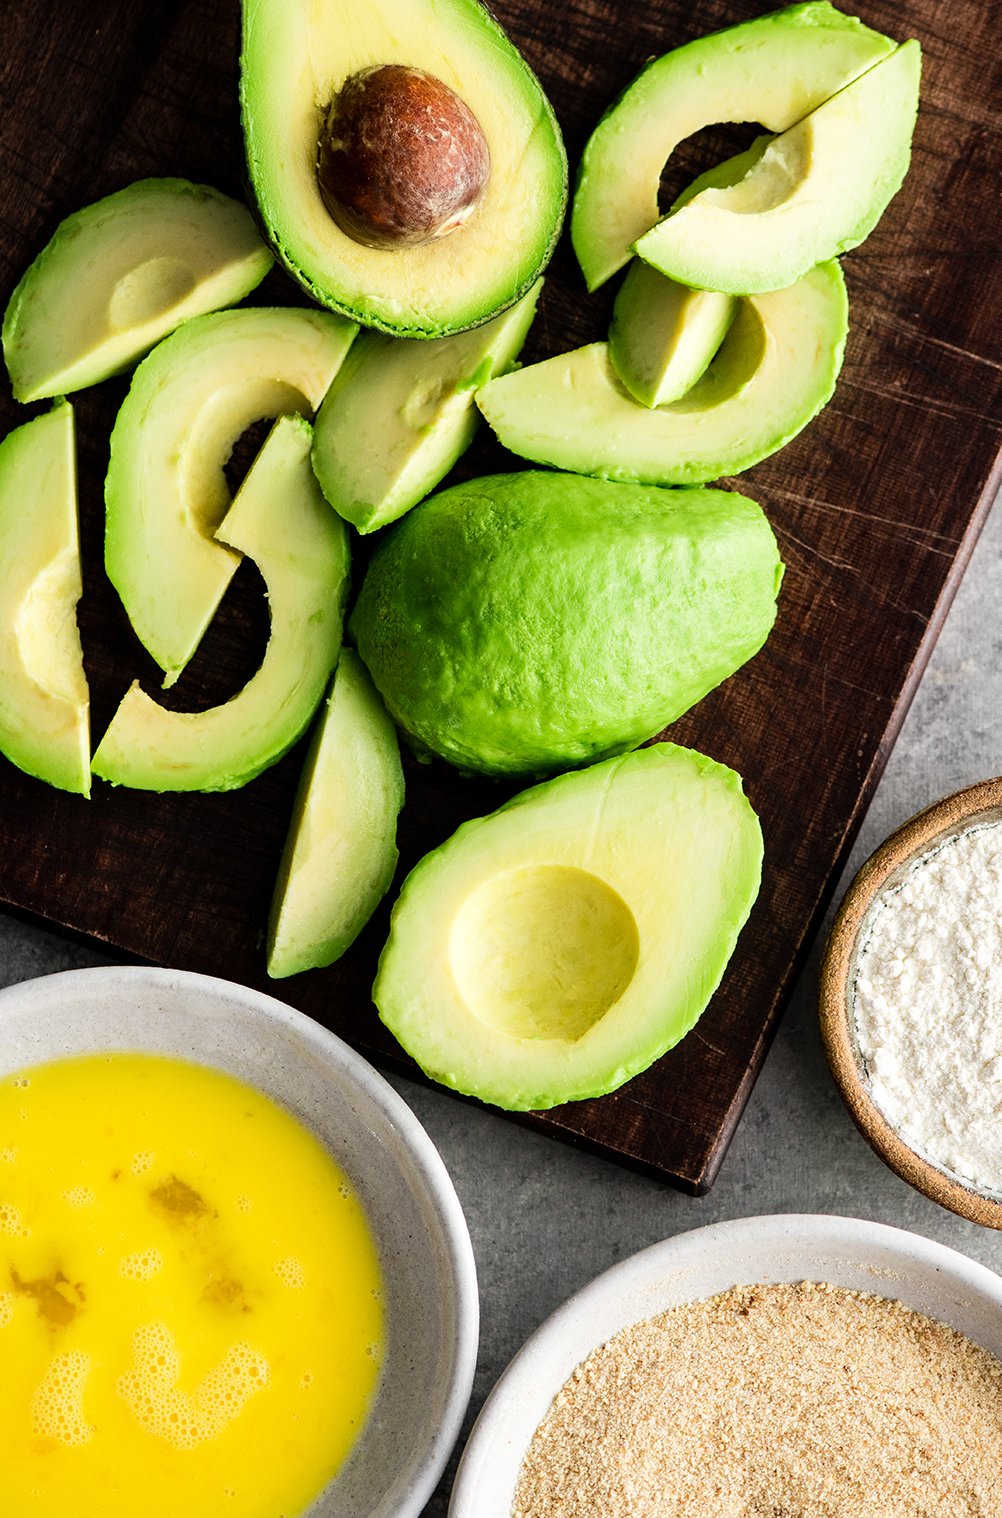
[927,1000]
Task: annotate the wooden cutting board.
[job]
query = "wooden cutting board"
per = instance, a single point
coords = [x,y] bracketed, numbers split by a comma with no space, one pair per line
[877,507]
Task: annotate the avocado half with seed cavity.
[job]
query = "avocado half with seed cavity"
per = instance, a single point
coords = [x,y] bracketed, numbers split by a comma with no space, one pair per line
[773,69]
[334,101]
[554,949]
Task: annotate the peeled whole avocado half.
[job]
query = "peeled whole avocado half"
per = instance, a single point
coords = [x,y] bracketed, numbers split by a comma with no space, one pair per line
[44,726]
[774,70]
[525,623]
[280,520]
[816,191]
[120,275]
[340,93]
[166,490]
[341,850]
[554,949]
[774,371]
[401,412]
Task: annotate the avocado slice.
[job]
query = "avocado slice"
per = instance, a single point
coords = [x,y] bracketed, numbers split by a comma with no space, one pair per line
[281,520]
[43,690]
[341,850]
[166,491]
[664,336]
[817,190]
[297,57]
[528,622]
[554,949]
[119,275]
[401,412]
[775,370]
[773,69]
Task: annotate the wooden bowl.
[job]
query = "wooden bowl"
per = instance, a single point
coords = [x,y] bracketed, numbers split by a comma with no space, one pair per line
[949,817]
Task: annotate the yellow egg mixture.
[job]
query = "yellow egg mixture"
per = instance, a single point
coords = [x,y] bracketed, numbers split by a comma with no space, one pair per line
[190,1307]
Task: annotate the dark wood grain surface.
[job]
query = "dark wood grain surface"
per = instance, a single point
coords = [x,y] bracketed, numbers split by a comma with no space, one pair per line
[877,507]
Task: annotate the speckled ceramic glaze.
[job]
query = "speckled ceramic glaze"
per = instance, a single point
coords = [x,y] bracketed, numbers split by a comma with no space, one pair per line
[424,1245]
[845,1251]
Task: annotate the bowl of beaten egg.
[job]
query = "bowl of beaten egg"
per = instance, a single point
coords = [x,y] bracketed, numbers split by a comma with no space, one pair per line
[235,1278]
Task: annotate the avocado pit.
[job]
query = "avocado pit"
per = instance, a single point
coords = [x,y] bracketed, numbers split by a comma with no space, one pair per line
[402,160]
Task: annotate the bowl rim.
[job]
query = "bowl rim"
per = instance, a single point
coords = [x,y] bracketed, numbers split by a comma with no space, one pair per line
[426,1159]
[643,1270]
[953,813]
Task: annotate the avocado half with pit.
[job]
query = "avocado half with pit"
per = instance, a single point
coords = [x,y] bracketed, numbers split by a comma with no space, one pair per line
[279,519]
[554,949]
[43,690]
[407,166]
[774,371]
[166,491]
[119,275]
[774,70]
[524,623]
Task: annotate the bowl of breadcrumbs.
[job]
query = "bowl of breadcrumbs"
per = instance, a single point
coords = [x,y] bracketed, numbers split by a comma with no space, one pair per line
[774,1367]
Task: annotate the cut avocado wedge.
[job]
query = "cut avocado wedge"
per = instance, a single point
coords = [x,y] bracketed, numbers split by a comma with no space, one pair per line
[774,70]
[554,949]
[281,520]
[663,335]
[529,622]
[43,690]
[341,850]
[166,491]
[775,370]
[296,58]
[400,413]
[119,275]
[816,191]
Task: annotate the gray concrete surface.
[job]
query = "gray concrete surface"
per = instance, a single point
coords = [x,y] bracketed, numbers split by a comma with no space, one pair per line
[545,1219]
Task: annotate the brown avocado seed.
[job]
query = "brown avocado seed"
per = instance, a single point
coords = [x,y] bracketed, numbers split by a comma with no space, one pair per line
[402,159]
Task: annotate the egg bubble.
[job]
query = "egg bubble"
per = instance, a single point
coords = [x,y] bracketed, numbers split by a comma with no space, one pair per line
[8,1155]
[187,1419]
[244,1203]
[6,1307]
[57,1405]
[142,1162]
[11,1222]
[290,1272]
[79,1196]
[141,1266]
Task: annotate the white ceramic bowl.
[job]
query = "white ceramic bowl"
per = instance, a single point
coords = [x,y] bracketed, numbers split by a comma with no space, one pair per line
[431,1301]
[845,1251]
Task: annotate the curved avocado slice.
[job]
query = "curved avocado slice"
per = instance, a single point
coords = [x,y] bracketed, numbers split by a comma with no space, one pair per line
[400,413]
[528,622]
[119,275]
[775,370]
[281,520]
[554,949]
[816,191]
[664,336]
[341,850]
[43,690]
[297,55]
[166,491]
[773,69]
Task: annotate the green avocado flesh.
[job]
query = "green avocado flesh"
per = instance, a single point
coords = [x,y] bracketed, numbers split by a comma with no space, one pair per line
[816,191]
[401,412]
[527,622]
[775,370]
[43,691]
[554,949]
[663,335]
[280,519]
[341,850]
[296,57]
[774,69]
[166,490]
[119,275]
